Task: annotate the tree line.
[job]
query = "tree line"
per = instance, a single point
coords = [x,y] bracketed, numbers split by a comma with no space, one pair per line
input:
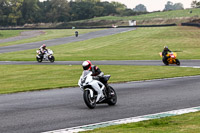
[20,12]
[195,4]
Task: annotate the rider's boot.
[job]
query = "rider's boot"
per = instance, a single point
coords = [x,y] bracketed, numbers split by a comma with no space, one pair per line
[108,90]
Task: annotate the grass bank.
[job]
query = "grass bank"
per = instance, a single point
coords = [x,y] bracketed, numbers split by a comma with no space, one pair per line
[188,123]
[8,33]
[154,15]
[49,34]
[139,44]
[18,78]
[155,18]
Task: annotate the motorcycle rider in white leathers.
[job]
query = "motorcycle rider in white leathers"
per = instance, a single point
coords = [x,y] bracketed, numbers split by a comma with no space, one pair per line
[42,50]
[96,72]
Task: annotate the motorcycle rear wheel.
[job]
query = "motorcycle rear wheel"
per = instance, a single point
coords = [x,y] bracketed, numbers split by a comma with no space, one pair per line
[113,99]
[165,62]
[51,59]
[89,101]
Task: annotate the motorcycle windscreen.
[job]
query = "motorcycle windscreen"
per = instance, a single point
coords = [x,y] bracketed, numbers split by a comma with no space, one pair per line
[85,73]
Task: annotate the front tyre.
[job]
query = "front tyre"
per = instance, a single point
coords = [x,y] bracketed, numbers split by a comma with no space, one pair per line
[113,95]
[51,59]
[89,101]
[178,62]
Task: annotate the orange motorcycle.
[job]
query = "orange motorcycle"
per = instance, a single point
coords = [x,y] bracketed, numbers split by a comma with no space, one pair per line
[172,59]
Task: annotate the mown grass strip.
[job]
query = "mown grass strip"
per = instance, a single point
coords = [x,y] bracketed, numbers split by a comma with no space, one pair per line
[19,78]
[9,33]
[188,123]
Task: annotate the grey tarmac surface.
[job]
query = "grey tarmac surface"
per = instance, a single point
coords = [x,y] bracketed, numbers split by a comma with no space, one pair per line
[105,62]
[64,40]
[34,112]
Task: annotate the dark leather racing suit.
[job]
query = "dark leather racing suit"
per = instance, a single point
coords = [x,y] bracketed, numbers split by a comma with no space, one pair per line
[164,54]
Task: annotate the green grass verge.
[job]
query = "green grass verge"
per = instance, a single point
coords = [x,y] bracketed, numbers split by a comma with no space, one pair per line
[49,34]
[140,44]
[8,33]
[187,123]
[18,78]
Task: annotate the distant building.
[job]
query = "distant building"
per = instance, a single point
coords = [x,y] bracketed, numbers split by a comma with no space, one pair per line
[132,22]
[114,26]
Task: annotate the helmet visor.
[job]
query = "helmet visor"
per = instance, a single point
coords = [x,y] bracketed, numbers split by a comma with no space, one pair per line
[86,67]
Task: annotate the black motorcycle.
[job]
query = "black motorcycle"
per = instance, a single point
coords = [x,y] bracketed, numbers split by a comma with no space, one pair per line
[76,33]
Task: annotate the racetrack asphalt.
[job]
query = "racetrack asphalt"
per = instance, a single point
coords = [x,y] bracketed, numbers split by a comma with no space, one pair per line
[65,40]
[33,112]
[188,63]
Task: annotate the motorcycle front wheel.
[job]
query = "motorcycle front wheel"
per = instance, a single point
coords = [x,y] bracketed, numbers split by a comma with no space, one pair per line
[89,101]
[51,59]
[177,62]
[113,95]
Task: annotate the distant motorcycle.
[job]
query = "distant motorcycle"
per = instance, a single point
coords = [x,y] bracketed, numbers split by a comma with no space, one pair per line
[89,93]
[47,56]
[76,33]
[172,59]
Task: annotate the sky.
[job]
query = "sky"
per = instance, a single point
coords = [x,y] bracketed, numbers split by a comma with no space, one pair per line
[152,5]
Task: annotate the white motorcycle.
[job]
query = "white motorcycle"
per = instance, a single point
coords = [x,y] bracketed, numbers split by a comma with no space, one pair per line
[47,56]
[86,82]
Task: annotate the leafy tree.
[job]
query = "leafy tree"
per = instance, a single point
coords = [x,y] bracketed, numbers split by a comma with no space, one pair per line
[98,11]
[195,4]
[44,8]
[90,1]
[30,11]
[170,6]
[108,8]
[119,7]
[140,8]
[4,11]
[128,12]
[85,9]
[178,6]
[15,14]
[58,11]
[81,10]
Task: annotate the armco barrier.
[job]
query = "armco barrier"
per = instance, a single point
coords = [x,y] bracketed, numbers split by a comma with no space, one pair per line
[12,28]
[191,24]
